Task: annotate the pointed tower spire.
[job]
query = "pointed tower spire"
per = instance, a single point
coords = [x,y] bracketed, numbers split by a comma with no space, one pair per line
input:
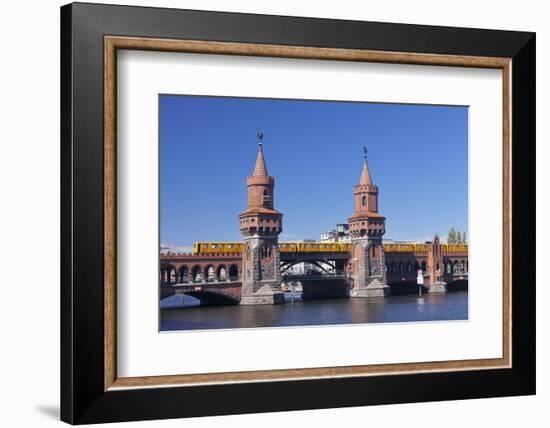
[367,266]
[366,193]
[365,173]
[260,184]
[260,226]
[260,169]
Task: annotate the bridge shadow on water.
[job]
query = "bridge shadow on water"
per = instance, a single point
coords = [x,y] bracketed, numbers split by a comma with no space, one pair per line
[405,287]
[315,289]
[459,285]
[411,287]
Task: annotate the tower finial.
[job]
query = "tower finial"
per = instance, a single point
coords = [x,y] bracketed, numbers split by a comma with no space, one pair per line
[365,173]
[260,169]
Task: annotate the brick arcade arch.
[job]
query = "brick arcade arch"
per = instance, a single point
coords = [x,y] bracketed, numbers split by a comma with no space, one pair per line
[183,274]
[168,274]
[209,273]
[233,272]
[196,273]
[221,272]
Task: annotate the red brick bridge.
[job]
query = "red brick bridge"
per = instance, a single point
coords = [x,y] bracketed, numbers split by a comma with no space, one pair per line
[213,272]
[370,267]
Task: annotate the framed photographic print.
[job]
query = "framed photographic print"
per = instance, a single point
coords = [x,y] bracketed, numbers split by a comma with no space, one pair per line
[266,213]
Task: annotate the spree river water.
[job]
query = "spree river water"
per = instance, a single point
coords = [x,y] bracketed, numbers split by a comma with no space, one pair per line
[404,308]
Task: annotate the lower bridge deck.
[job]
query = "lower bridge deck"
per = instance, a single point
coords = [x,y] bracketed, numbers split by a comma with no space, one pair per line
[206,292]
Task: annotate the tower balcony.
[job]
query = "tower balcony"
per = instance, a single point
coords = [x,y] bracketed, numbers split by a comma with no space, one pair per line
[261,222]
[370,225]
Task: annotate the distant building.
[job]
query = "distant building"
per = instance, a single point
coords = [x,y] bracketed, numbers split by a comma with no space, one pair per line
[173,249]
[339,234]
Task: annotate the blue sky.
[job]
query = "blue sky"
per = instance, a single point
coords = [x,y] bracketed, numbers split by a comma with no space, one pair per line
[418,157]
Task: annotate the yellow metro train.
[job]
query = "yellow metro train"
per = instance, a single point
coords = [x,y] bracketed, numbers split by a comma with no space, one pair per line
[322,247]
[285,247]
[217,247]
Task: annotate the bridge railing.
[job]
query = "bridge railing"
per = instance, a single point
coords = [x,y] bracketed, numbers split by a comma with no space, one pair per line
[286,277]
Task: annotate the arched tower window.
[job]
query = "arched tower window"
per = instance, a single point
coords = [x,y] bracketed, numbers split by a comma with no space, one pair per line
[364,201]
[266,197]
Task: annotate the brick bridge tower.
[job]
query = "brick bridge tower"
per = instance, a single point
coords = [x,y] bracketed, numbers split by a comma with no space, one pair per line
[260,226]
[367,226]
[436,267]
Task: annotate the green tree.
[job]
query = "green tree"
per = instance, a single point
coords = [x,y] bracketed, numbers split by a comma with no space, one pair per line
[451,236]
[455,236]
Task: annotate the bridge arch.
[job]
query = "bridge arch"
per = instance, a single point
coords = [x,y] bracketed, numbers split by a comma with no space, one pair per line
[196,273]
[163,275]
[209,273]
[314,261]
[183,273]
[221,272]
[233,272]
[168,274]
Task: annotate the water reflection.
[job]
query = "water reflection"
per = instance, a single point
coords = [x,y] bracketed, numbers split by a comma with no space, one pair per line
[430,307]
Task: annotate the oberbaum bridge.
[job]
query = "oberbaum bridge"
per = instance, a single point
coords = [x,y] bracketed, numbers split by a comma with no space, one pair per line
[252,272]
